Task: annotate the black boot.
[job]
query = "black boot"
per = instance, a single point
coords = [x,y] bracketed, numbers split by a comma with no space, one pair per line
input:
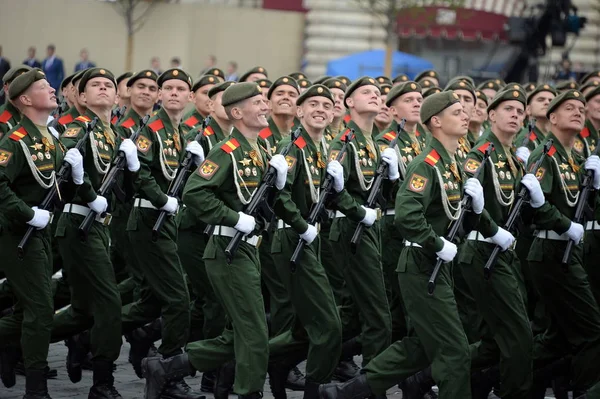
[103,387]
[311,390]
[20,370]
[254,395]
[295,380]
[416,386]
[78,350]
[224,378]
[207,384]
[35,385]
[483,381]
[542,377]
[141,341]
[179,389]
[158,372]
[279,369]
[8,359]
[356,388]
[346,370]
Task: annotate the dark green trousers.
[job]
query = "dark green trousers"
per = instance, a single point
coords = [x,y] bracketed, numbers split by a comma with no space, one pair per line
[30,281]
[127,272]
[237,287]
[591,260]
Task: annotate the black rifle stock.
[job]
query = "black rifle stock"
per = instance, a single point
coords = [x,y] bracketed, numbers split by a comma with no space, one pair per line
[317,208]
[522,198]
[63,174]
[454,229]
[108,183]
[259,198]
[375,191]
[178,182]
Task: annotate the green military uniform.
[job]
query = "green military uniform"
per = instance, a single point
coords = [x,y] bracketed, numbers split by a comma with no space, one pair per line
[9,117]
[65,119]
[194,118]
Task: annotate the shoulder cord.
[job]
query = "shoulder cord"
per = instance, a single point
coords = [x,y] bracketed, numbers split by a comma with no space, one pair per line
[570,202]
[37,174]
[503,199]
[448,208]
[101,166]
[168,172]
[236,176]
[365,184]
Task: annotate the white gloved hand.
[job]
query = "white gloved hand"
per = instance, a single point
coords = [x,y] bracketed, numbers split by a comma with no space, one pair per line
[523,154]
[448,251]
[196,149]
[536,194]
[310,234]
[336,170]
[245,223]
[593,163]
[390,157]
[370,216]
[575,232]
[475,191]
[171,205]
[130,151]
[503,238]
[40,219]
[99,205]
[281,166]
[73,157]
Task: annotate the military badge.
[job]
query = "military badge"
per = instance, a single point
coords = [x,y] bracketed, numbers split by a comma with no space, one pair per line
[207,169]
[254,172]
[5,157]
[540,173]
[143,144]
[72,132]
[291,161]
[578,146]
[417,183]
[471,165]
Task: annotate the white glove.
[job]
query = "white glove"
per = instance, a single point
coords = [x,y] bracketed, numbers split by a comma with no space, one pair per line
[593,163]
[448,252]
[245,223]
[130,151]
[73,157]
[171,205]
[370,216]
[475,191]
[336,170]
[310,234]
[536,194]
[575,232]
[281,166]
[503,238]
[196,149]
[99,205]
[523,154]
[40,219]
[390,157]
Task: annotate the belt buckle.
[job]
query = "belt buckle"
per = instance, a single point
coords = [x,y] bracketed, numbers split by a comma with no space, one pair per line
[107,219]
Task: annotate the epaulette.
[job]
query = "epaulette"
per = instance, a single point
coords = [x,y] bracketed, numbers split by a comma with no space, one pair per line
[266,132]
[532,135]
[483,148]
[343,136]
[300,142]
[432,158]
[156,125]
[18,134]
[389,136]
[230,146]
[208,131]
[128,123]
[585,132]
[191,121]
[65,119]
[114,120]
[83,118]
[552,151]
[5,117]
[347,118]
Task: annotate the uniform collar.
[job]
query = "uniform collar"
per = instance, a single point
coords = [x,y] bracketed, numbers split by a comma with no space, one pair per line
[441,150]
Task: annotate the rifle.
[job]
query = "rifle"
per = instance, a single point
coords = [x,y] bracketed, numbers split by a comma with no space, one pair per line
[118,113]
[259,198]
[63,174]
[586,188]
[62,107]
[522,198]
[318,207]
[178,182]
[375,194]
[108,183]
[453,233]
[530,129]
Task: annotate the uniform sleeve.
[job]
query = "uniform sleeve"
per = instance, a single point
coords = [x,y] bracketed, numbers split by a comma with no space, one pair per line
[343,201]
[285,208]
[485,224]
[13,207]
[147,152]
[70,138]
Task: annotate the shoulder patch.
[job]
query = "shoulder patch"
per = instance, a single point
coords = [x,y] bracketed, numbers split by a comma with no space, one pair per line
[128,123]
[532,136]
[389,136]
[191,121]
[432,158]
[72,132]
[471,165]
[291,161]
[5,157]
[18,134]
[300,142]
[266,132]
[156,125]
[540,173]
[5,117]
[208,131]
[65,119]
[143,144]
[230,146]
[417,183]
[552,151]
[347,118]
[483,148]
[114,120]
[207,169]
[83,118]
[578,146]
[585,132]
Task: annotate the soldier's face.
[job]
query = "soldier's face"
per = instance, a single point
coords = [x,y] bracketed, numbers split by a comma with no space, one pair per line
[175,95]
[75,94]
[538,105]
[508,117]
[67,93]
[99,92]
[480,113]
[365,99]
[143,93]
[316,113]
[201,99]
[384,116]
[408,106]
[569,117]
[489,93]
[122,89]
[254,113]
[592,108]
[217,106]
[454,121]
[40,96]
[467,100]
[283,100]
[338,107]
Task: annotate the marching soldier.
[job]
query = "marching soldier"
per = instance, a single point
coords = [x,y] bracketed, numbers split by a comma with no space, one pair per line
[480,116]
[124,97]
[490,88]
[429,74]
[9,114]
[466,92]
[337,89]
[201,104]
[383,118]
[401,78]
[78,108]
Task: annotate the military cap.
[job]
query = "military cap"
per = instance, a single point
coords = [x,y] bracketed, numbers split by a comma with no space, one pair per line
[143,74]
[77,77]
[264,83]
[589,85]
[588,76]
[334,83]
[500,82]
[464,78]
[561,98]
[429,73]
[205,80]
[481,96]
[364,81]
[257,69]
[314,91]
[490,84]
[222,86]
[22,82]
[125,76]
[426,83]
[539,89]
[592,93]
[174,73]
[567,85]
[96,72]
[322,79]
[514,86]
[215,72]
[383,80]
[400,78]
[436,103]
[346,80]
[66,81]
[240,92]
[284,80]
[297,75]
[385,89]
[13,72]
[507,95]
[304,83]
[402,88]
[529,87]
[431,90]
[457,84]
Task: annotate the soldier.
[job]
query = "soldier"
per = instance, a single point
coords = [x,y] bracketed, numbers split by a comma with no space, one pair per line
[65,89]
[122,91]
[164,292]
[201,103]
[216,72]
[586,88]
[426,203]
[216,194]
[304,84]
[566,85]
[479,116]
[489,87]
[9,114]
[384,117]
[254,74]
[77,108]
[466,92]
[337,89]
[29,158]
[537,105]
[593,76]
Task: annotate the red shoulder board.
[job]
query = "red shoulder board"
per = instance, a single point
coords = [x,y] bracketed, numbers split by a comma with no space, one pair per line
[389,136]
[345,134]
[432,158]
[114,120]
[208,131]
[156,125]
[585,132]
[347,118]
[300,143]
[230,146]
[532,136]
[18,134]
[552,151]
[266,132]
[191,121]
[5,117]
[128,123]
[484,147]
[83,118]
[65,119]
[417,133]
